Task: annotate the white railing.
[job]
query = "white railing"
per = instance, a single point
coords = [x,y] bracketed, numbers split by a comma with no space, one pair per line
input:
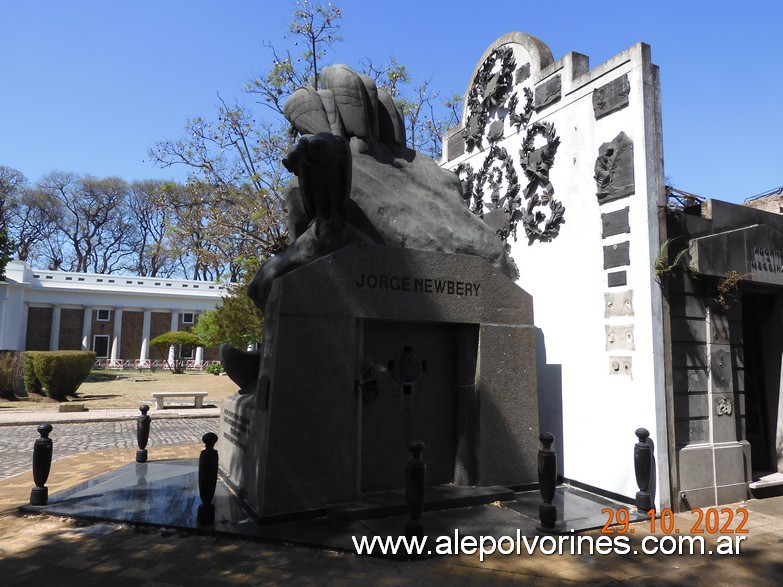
[148,364]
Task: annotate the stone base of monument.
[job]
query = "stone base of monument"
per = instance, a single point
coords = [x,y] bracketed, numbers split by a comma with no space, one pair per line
[373,347]
[165,494]
[383,504]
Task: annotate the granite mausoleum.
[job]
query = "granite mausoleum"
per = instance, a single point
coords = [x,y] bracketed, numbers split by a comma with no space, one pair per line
[383,325]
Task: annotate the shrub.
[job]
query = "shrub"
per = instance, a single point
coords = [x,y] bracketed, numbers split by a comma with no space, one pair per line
[214,368]
[10,372]
[60,373]
[31,382]
[180,342]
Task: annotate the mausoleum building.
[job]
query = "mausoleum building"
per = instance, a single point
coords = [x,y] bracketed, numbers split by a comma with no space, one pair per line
[114,315]
[649,314]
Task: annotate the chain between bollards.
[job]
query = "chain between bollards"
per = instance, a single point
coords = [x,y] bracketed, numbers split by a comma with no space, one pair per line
[143,433]
[42,464]
[207,478]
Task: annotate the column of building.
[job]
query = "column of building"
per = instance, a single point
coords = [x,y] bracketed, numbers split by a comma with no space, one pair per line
[174,328]
[116,360]
[54,332]
[23,330]
[144,353]
[87,328]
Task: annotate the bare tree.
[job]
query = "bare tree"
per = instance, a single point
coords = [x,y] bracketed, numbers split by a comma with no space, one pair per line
[91,217]
[315,28]
[12,182]
[427,116]
[231,213]
[152,250]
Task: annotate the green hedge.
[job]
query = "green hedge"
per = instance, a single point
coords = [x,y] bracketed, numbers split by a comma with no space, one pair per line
[10,373]
[58,373]
[31,383]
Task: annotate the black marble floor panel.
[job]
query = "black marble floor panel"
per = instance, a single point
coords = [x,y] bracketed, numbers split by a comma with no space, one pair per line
[165,494]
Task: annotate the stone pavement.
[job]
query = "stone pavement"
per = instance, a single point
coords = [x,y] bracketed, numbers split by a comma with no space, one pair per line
[78,432]
[38,549]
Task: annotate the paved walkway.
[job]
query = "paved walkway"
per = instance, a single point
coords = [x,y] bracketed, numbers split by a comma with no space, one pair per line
[16,442]
[45,550]
[78,432]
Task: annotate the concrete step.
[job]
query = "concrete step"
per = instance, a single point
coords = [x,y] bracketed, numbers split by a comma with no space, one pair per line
[766,485]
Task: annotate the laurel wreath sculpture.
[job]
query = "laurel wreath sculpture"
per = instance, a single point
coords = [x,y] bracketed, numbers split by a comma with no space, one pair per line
[493,89]
[509,203]
[536,163]
[488,90]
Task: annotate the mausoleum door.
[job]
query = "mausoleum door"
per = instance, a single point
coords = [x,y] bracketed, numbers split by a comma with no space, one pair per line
[762,317]
[408,395]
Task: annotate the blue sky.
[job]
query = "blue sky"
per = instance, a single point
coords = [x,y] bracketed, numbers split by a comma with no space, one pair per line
[89,85]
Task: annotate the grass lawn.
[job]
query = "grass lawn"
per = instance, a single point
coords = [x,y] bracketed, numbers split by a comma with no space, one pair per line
[129,389]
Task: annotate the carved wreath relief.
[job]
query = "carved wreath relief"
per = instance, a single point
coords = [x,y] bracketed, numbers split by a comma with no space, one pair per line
[723,406]
[493,192]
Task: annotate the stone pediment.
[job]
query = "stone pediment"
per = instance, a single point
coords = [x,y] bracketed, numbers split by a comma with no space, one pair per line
[755,252]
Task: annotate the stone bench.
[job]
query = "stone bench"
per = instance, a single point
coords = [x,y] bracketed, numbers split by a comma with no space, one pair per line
[160,396]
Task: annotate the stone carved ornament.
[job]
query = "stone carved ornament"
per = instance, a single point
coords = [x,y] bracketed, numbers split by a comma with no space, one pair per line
[723,406]
[490,89]
[541,214]
[614,175]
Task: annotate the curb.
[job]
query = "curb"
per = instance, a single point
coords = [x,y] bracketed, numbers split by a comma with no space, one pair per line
[35,418]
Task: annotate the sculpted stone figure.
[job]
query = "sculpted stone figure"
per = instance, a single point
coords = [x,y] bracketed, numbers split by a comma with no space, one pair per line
[357,181]
[322,164]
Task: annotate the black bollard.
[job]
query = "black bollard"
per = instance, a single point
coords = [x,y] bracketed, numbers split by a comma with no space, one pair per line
[642,464]
[42,464]
[547,483]
[143,433]
[207,478]
[415,486]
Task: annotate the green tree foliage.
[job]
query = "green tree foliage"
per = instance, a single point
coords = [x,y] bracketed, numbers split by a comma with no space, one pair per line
[181,342]
[236,322]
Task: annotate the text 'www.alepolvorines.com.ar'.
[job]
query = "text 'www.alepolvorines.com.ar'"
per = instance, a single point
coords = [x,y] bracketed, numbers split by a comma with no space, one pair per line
[524,545]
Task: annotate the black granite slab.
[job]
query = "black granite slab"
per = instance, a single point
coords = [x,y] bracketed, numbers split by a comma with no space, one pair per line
[382,504]
[165,494]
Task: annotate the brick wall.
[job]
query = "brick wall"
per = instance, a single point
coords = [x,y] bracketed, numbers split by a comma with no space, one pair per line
[160,323]
[71,323]
[101,326]
[130,339]
[39,325]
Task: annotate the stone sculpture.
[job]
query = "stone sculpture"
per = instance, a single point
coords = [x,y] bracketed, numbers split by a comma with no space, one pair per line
[614,169]
[322,163]
[356,181]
